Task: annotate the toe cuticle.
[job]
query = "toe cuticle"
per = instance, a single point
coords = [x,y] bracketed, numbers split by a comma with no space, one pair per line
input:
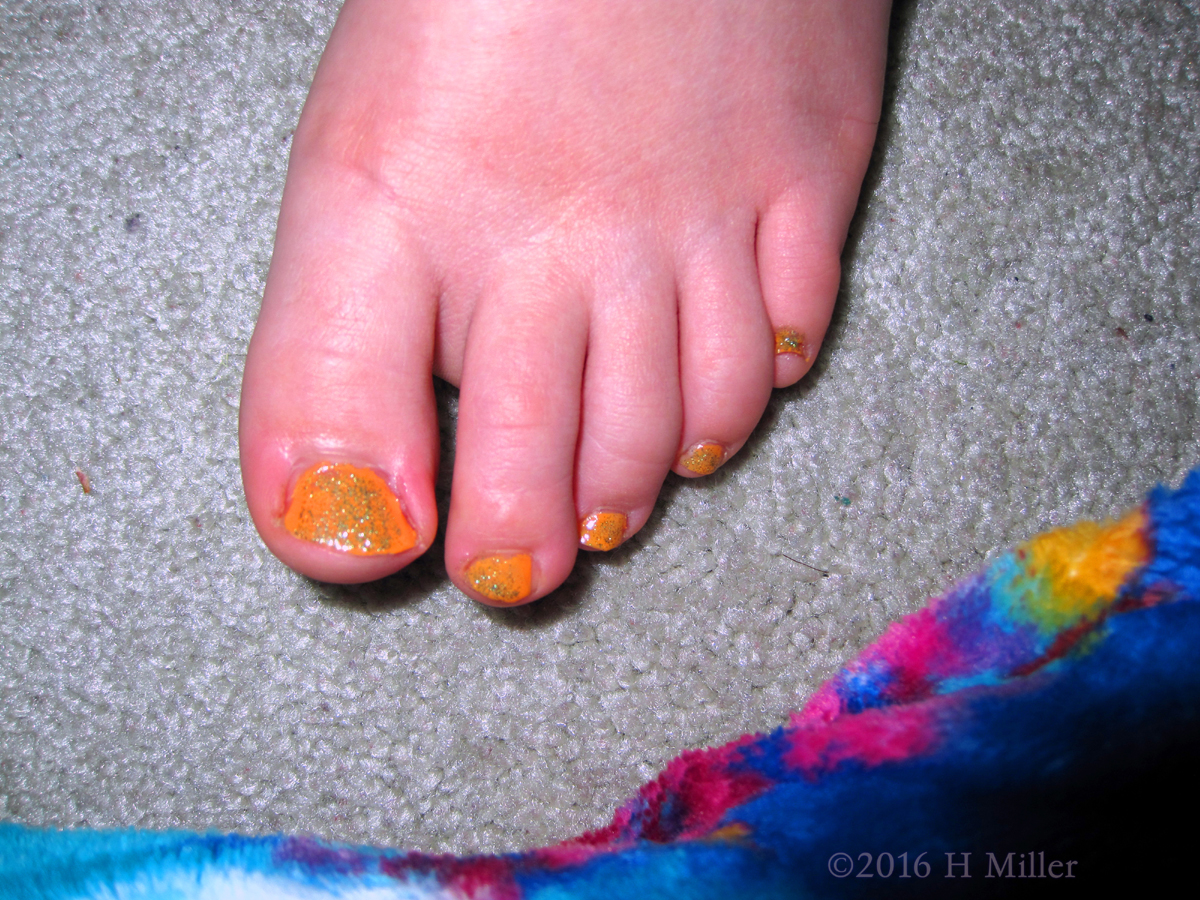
[603,530]
[789,340]
[503,577]
[703,458]
[348,508]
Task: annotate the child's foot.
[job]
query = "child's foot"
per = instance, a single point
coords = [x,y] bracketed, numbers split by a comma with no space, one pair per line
[613,224]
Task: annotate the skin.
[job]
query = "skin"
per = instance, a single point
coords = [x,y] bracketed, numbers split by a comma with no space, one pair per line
[593,218]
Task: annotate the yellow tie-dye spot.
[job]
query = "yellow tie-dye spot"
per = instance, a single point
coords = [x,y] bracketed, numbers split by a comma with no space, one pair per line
[1084,566]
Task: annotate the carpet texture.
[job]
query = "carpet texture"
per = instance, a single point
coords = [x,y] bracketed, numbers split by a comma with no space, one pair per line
[1015,348]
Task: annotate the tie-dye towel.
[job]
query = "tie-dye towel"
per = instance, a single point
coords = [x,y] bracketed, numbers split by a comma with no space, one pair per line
[1034,728]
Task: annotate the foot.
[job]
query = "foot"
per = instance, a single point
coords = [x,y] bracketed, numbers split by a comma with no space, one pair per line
[614,225]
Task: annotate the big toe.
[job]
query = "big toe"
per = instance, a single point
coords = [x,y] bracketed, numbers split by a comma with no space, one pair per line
[337,426]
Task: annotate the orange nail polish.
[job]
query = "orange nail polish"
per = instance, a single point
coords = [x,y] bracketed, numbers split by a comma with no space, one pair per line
[789,340]
[704,458]
[603,530]
[348,508]
[508,579]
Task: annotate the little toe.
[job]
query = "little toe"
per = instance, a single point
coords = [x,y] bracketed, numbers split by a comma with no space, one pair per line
[725,355]
[799,262]
[337,426]
[803,228]
[510,536]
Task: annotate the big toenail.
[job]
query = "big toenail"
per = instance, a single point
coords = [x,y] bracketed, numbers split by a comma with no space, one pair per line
[789,340]
[704,458]
[507,578]
[348,508]
[603,530]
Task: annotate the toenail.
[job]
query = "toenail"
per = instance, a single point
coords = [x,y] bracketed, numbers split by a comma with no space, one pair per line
[603,530]
[348,508]
[508,579]
[704,458]
[789,340]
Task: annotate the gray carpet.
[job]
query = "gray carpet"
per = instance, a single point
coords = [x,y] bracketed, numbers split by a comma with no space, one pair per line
[1015,347]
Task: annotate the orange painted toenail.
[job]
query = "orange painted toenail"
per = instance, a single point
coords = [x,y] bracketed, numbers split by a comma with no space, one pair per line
[789,340]
[508,579]
[704,458]
[603,530]
[348,508]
